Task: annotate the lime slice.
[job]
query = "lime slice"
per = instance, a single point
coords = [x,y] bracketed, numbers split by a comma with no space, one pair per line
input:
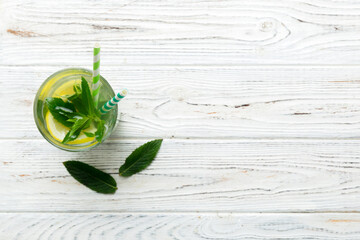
[58,131]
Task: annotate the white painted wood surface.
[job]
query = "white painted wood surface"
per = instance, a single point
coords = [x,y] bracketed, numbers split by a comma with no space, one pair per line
[257,100]
[212,102]
[95,226]
[189,176]
[181,32]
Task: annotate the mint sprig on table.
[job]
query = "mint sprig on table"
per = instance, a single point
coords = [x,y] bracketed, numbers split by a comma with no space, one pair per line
[77,112]
[91,177]
[102,182]
[140,158]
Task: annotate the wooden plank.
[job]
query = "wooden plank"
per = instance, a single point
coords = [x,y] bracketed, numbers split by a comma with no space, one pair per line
[208,102]
[180,32]
[48,226]
[189,176]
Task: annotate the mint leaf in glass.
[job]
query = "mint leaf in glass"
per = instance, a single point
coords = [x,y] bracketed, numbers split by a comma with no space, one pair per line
[79,124]
[77,101]
[140,158]
[79,105]
[91,177]
[86,98]
[77,112]
[89,134]
[99,134]
[77,89]
[69,138]
[61,110]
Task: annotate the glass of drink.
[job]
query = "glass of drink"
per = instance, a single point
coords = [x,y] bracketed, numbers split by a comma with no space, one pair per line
[55,121]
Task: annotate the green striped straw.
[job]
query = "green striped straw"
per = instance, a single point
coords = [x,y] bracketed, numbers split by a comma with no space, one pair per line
[112,102]
[96,74]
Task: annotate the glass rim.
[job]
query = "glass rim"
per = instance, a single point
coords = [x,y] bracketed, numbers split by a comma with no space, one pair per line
[52,140]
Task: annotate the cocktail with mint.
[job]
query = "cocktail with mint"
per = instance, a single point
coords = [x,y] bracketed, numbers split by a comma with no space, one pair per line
[76,109]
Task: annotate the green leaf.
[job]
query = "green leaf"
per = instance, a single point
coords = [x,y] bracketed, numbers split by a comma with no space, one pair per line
[140,158]
[75,130]
[69,138]
[91,177]
[99,134]
[61,110]
[89,134]
[77,89]
[77,101]
[79,104]
[72,120]
[73,96]
[80,123]
[86,97]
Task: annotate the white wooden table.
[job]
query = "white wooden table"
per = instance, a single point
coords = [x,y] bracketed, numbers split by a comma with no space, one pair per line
[257,102]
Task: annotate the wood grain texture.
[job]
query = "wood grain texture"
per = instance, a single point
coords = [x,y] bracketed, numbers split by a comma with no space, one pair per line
[180,32]
[189,176]
[179,226]
[209,102]
[258,101]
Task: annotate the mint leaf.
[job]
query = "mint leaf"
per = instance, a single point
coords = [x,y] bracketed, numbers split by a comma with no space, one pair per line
[79,124]
[89,134]
[87,124]
[86,98]
[77,101]
[99,134]
[69,138]
[140,158]
[91,177]
[61,110]
[79,104]
[77,89]
[72,120]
